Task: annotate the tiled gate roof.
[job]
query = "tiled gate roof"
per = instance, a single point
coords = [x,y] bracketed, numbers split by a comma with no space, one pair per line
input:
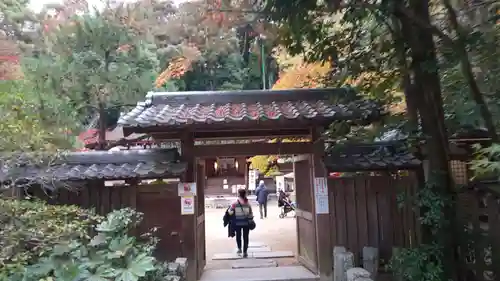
[184,108]
[374,157]
[93,165]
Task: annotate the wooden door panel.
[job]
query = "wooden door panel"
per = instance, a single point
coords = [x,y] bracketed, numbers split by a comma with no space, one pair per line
[306,240]
[161,206]
[306,231]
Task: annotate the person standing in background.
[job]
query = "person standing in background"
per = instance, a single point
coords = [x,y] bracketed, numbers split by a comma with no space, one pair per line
[262,194]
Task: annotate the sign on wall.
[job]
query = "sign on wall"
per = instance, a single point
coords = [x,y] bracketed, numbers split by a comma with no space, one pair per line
[321,195]
[252,179]
[187,205]
[186,189]
[280,184]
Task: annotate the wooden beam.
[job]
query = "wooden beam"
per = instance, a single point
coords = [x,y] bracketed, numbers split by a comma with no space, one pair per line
[242,128]
[235,134]
[262,128]
[188,222]
[298,132]
[291,148]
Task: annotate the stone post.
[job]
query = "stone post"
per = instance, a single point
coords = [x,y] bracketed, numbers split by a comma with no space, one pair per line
[342,262]
[358,274]
[337,250]
[371,261]
[177,270]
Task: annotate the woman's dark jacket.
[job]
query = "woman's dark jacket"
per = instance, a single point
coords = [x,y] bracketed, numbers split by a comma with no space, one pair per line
[228,222]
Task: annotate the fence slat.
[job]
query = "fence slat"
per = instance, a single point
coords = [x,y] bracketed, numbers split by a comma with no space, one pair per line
[366,213]
[494,233]
[340,206]
[362,212]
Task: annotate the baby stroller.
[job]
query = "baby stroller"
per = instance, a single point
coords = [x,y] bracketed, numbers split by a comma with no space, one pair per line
[285,204]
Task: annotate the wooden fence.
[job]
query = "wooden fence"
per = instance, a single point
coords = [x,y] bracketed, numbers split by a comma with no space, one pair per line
[159,203]
[364,212]
[478,216]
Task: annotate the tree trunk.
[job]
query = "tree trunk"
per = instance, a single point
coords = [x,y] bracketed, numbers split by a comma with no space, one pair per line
[424,66]
[102,126]
[406,81]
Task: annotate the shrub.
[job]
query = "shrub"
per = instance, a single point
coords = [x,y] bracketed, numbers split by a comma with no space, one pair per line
[41,242]
[30,229]
[112,254]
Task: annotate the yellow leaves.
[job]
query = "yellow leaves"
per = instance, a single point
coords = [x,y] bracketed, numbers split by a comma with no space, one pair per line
[178,66]
[175,70]
[260,162]
[304,75]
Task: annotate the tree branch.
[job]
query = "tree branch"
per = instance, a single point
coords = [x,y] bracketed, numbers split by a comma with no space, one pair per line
[422,24]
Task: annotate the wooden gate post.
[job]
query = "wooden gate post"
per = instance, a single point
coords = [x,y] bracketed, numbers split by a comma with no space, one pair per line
[189,221]
[201,258]
[321,207]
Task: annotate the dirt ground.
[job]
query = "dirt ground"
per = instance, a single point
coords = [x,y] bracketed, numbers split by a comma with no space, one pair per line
[278,234]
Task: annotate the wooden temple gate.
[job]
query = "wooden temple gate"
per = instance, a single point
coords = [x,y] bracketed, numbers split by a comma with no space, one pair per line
[355,210]
[197,120]
[256,116]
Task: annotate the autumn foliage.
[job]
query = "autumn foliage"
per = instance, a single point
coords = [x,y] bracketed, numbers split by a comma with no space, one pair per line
[9,60]
[304,75]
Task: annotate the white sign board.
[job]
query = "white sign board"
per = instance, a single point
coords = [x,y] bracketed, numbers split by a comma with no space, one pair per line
[252,179]
[320,187]
[322,204]
[186,189]
[187,205]
[321,195]
[280,184]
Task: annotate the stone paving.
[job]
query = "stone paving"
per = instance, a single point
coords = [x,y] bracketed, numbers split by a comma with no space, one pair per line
[285,273]
[274,241]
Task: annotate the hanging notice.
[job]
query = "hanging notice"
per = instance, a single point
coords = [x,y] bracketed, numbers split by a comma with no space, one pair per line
[320,187]
[187,205]
[280,184]
[322,204]
[321,195]
[252,179]
[186,189]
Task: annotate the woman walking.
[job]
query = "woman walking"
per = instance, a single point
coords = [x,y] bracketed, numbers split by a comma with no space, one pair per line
[243,220]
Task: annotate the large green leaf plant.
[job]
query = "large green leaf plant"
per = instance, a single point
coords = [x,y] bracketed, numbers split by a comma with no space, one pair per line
[31,229]
[111,254]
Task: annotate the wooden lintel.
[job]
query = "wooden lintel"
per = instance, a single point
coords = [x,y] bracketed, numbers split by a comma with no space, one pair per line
[235,134]
[235,128]
[291,148]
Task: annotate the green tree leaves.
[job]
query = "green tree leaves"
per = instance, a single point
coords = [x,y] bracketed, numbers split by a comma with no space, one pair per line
[100,60]
[33,121]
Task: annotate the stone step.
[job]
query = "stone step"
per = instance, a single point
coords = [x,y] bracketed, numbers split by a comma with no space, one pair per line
[252,244]
[283,273]
[257,250]
[273,254]
[257,255]
[253,263]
